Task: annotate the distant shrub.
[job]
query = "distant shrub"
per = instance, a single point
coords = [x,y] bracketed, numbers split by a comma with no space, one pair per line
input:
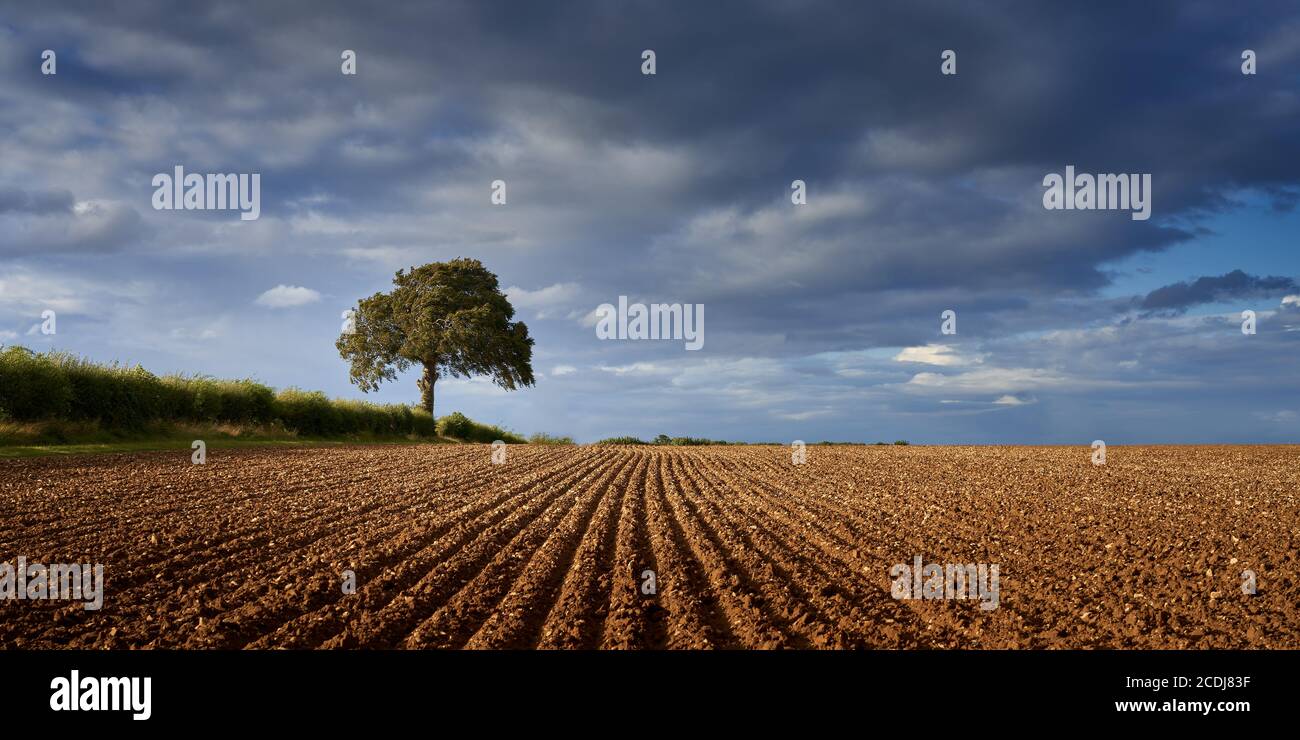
[901,442]
[455,425]
[623,441]
[541,438]
[459,426]
[664,439]
[695,441]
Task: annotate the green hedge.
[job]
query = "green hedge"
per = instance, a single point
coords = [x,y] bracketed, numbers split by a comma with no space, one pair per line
[664,439]
[622,441]
[460,426]
[57,385]
[32,386]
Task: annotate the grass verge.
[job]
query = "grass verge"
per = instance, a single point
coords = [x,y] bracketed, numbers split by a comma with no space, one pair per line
[34,439]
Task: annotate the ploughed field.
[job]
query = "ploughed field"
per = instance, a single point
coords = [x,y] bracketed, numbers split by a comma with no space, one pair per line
[550,549]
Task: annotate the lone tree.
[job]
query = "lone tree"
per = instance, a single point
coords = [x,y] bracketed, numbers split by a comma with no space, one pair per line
[449,317]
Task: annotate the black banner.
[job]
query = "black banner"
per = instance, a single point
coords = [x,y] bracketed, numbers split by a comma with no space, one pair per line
[926,689]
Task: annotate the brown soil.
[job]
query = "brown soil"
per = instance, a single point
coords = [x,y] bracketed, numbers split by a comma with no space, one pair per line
[749,550]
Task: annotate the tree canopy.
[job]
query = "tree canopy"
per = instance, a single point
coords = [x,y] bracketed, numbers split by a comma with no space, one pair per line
[451,318]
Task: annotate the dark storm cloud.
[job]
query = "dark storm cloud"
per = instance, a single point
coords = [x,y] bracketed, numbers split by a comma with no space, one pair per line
[1179,297]
[759,93]
[924,190]
[13,200]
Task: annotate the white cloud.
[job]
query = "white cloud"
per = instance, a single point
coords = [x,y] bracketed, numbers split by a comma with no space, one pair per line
[30,293]
[1012,401]
[385,254]
[804,415]
[91,226]
[559,370]
[934,354]
[186,333]
[25,294]
[543,300]
[636,368]
[287,296]
[993,380]
[478,385]
[314,223]
[591,318]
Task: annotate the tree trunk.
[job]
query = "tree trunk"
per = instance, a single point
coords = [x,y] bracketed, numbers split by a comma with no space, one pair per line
[426,387]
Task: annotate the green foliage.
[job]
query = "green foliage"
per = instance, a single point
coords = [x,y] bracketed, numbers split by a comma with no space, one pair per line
[459,426]
[664,439]
[59,386]
[455,425]
[309,412]
[450,318]
[32,386]
[542,438]
[126,397]
[204,399]
[695,441]
[901,442]
[623,441]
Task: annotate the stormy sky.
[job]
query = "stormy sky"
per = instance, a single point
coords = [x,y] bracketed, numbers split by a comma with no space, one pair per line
[924,194]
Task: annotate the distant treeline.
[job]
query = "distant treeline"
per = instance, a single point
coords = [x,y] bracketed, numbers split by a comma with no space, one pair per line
[877,444]
[57,386]
[664,439]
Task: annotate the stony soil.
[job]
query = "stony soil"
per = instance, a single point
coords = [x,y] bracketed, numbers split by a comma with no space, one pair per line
[749,550]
